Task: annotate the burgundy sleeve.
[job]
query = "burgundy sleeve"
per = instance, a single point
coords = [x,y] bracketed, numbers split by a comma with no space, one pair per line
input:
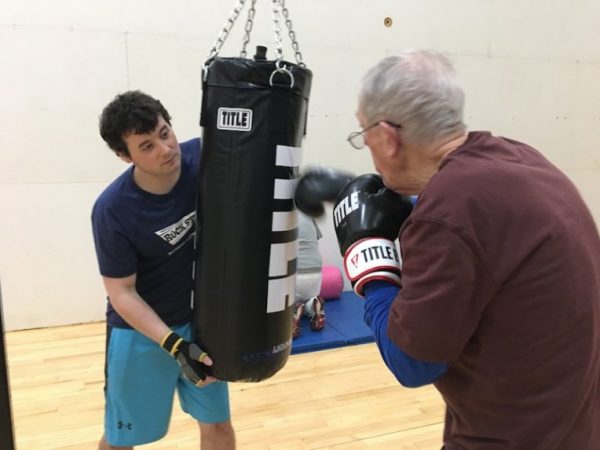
[445,288]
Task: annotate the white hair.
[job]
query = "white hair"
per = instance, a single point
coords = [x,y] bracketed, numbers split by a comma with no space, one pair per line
[418,90]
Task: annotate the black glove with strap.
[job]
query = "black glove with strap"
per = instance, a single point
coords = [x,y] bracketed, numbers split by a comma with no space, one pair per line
[367,217]
[189,356]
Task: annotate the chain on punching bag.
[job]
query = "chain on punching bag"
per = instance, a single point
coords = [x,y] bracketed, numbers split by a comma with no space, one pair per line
[253,117]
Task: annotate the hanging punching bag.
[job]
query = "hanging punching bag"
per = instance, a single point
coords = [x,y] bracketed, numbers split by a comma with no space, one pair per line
[254,116]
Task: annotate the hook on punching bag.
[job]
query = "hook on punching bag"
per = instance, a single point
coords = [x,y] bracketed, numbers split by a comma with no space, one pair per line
[254,117]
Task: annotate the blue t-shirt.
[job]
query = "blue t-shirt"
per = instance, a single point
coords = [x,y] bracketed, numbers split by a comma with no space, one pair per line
[136,232]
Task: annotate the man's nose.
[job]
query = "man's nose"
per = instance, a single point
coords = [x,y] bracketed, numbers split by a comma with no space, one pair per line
[165,147]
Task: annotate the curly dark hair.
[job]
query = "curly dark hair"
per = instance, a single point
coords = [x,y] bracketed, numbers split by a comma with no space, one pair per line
[130,112]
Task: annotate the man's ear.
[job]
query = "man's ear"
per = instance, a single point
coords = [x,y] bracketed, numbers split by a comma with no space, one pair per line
[393,140]
[124,157]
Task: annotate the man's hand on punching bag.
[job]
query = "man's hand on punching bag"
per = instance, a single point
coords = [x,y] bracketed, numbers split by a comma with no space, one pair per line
[367,217]
[318,185]
[193,361]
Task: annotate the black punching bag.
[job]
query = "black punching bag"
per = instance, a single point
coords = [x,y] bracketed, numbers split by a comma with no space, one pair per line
[254,117]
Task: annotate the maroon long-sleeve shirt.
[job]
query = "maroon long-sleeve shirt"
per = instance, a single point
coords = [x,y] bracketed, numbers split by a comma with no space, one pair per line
[501,280]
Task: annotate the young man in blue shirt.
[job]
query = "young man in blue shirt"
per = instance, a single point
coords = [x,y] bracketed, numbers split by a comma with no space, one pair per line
[144,233]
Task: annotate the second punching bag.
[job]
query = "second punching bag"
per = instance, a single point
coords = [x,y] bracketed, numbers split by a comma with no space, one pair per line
[254,116]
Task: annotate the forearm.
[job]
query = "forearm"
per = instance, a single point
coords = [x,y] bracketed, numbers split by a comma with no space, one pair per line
[134,310]
[407,370]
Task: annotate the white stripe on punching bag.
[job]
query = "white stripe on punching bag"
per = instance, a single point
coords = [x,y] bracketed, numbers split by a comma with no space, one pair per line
[288,156]
[284,221]
[284,189]
[285,288]
[281,256]
[282,281]
[282,273]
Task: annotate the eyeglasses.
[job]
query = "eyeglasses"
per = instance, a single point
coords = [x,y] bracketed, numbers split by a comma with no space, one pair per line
[357,138]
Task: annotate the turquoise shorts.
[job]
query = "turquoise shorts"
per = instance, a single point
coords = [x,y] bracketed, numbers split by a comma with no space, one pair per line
[141,379]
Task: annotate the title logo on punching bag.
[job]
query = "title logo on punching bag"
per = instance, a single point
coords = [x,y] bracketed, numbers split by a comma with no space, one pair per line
[235,119]
[284,231]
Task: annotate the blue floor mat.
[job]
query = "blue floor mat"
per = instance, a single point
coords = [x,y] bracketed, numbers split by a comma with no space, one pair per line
[344,326]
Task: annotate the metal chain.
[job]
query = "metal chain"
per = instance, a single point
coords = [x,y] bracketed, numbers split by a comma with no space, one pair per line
[279,9]
[214,51]
[277,30]
[288,24]
[248,28]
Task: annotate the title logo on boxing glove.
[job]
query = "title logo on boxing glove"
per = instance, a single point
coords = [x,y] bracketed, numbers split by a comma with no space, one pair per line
[365,254]
[234,119]
[369,255]
[345,207]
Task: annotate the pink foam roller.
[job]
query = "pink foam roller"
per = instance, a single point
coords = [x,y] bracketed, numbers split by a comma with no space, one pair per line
[332,283]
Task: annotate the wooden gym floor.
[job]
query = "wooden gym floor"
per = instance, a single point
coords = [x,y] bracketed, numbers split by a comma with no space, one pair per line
[339,399]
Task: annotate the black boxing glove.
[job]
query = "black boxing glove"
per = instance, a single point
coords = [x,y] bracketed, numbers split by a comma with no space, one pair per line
[367,217]
[318,185]
[189,356]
